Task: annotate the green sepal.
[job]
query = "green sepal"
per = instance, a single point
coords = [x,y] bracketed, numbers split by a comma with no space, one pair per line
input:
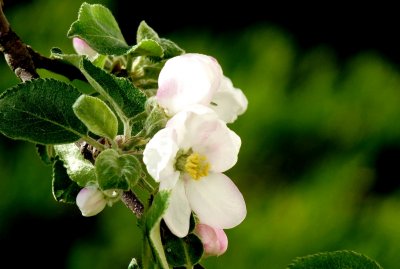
[96,115]
[64,189]
[40,111]
[98,27]
[79,169]
[115,171]
[343,259]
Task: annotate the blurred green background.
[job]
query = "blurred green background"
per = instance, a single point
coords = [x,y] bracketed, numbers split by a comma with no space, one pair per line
[318,165]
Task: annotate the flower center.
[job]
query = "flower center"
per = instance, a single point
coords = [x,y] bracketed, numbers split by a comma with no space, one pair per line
[196,165]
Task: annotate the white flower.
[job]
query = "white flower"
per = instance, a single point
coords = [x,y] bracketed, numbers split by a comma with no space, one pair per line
[188,157]
[215,241]
[193,78]
[228,102]
[90,201]
[186,80]
[82,48]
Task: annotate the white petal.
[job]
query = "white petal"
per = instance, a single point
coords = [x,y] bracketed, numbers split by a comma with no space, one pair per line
[229,102]
[159,156]
[199,128]
[186,80]
[178,212]
[82,48]
[216,200]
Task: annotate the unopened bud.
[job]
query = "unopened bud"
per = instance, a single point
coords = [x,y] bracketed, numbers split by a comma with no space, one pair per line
[82,48]
[215,241]
[90,201]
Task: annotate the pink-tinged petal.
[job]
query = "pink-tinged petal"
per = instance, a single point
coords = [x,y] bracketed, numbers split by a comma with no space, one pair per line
[82,48]
[228,102]
[177,216]
[186,80]
[90,201]
[159,157]
[216,200]
[215,241]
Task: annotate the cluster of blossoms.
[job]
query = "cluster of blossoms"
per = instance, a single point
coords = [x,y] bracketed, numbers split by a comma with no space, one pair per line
[190,154]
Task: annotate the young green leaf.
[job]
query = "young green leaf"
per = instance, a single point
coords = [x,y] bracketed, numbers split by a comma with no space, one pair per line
[126,100]
[96,115]
[152,226]
[343,259]
[40,111]
[64,189]
[78,168]
[74,59]
[146,47]
[115,171]
[144,31]
[98,27]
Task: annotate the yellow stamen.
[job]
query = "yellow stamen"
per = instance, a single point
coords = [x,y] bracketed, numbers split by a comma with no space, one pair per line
[197,166]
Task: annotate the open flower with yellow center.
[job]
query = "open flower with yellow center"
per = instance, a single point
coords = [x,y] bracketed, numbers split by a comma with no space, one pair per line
[188,158]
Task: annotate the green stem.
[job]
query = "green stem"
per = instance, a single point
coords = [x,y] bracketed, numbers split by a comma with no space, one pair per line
[94,143]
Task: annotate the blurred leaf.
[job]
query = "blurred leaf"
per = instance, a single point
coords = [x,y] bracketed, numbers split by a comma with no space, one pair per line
[98,27]
[96,115]
[40,111]
[133,264]
[115,171]
[64,189]
[185,251]
[343,259]
[126,100]
[78,168]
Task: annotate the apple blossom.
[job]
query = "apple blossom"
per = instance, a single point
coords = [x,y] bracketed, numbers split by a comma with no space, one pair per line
[215,241]
[82,48]
[186,80]
[198,79]
[91,201]
[188,157]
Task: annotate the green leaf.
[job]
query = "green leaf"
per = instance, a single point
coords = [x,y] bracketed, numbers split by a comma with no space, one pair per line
[343,259]
[146,32]
[146,47]
[96,115]
[115,171]
[98,27]
[40,111]
[170,49]
[74,59]
[124,98]
[152,226]
[78,168]
[185,251]
[64,189]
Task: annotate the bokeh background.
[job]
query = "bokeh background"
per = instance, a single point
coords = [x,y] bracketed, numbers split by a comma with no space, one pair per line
[319,164]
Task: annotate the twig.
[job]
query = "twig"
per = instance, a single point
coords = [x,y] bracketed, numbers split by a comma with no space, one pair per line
[133,203]
[15,52]
[24,61]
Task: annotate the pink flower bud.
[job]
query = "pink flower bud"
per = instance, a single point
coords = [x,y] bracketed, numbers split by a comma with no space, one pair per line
[214,240]
[90,201]
[82,48]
